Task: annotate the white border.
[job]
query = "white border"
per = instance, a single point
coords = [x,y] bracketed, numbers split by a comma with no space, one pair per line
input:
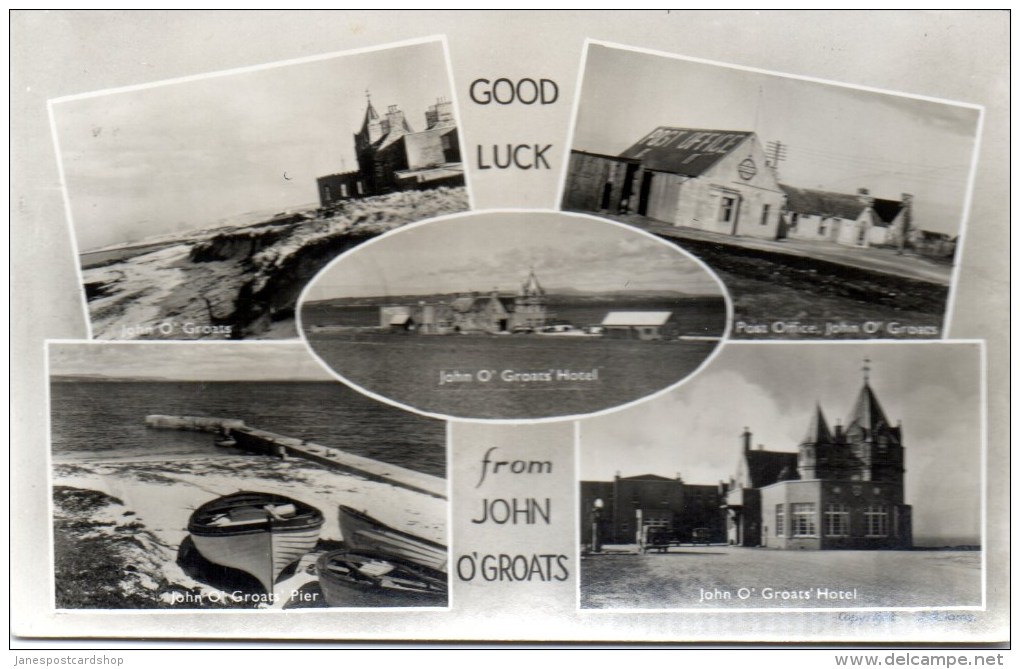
[51,553]
[983,413]
[441,39]
[971,177]
[517,421]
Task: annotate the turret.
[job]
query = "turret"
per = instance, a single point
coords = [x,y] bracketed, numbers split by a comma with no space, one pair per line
[817,439]
[876,444]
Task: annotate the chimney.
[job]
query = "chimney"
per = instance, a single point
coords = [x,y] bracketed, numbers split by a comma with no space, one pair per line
[747,439]
[864,196]
[395,121]
[838,427]
[761,447]
[439,113]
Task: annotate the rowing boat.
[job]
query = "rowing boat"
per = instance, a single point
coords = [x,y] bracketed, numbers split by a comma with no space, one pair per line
[367,578]
[362,532]
[258,533]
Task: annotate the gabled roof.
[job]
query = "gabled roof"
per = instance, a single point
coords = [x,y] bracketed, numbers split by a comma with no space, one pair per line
[867,412]
[468,303]
[887,211]
[636,318]
[818,430]
[686,151]
[813,202]
[764,467]
[822,203]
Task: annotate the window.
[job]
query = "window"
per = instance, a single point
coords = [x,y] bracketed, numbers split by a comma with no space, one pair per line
[821,226]
[343,190]
[877,519]
[327,194]
[765,214]
[804,520]
[727,208]
[780,520]
[837,520]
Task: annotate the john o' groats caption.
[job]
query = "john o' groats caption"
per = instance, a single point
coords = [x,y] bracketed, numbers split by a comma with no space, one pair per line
[506,513]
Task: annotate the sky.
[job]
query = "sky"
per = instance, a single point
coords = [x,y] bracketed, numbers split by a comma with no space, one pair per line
[838,138]
[180,156]
[694,430]
[494,251]
[264,361]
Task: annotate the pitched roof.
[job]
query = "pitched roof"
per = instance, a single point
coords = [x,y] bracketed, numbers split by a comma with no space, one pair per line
[822,203]
[841,205]
[646,477]
[867,412]
[686,151]
[400,319]
[887,211]
[638,318]
[818,430]
[765,467]
[531,286]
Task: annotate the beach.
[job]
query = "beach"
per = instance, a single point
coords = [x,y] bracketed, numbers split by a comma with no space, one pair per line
[120,527]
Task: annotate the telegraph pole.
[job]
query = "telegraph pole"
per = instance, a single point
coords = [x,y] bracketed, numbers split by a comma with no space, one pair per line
[776,152]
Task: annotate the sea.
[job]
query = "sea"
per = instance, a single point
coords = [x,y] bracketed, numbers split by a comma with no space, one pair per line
[106,420]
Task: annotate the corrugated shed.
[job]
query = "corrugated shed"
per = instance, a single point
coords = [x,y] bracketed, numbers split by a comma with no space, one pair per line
[636,318]
[685,151]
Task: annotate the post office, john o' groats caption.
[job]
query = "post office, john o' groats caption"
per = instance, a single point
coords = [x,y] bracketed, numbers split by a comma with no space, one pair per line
[506,513]
[835,329]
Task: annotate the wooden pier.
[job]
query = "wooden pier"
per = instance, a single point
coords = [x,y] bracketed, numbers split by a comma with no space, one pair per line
[269,443]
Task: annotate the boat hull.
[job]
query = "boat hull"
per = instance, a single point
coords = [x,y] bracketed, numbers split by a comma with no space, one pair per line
[353,579]
[261,546]
[361,532]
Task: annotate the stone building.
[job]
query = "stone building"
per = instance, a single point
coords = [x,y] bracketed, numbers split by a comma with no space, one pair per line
[629,504]
[852,220]
[473,312]
[714,180]
[392,156]
[842,488]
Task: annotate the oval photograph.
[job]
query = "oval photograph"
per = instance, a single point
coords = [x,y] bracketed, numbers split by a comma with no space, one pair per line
[514,316]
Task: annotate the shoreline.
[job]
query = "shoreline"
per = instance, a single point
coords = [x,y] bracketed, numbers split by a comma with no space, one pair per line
[120,526]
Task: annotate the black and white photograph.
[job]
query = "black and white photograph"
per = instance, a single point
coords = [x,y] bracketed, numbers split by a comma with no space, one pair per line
[829,211]
[201,207]
[514,315]
[421,328]
[812,476]
[204,476]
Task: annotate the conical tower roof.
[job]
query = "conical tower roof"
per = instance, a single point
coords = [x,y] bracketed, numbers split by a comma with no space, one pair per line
[867,412]
[370,113]
[532,286]
[818,430]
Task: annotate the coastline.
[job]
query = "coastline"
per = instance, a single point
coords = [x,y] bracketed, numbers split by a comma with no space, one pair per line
[120,525]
